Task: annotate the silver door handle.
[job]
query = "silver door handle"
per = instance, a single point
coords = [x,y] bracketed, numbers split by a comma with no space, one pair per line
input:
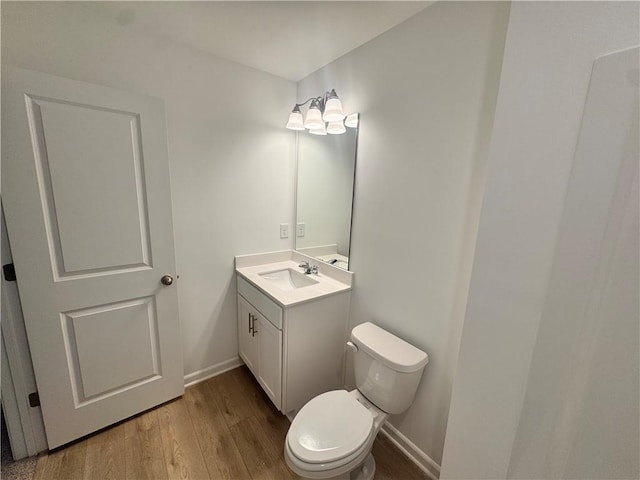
[166,280]
[253,326]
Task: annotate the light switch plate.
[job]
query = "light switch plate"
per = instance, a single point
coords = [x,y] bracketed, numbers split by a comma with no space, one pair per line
[300,229]
[284,230]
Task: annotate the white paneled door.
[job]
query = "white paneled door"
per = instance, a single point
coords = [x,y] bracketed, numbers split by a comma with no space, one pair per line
[85,188]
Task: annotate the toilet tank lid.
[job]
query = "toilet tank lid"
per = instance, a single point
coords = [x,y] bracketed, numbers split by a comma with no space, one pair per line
[389,349]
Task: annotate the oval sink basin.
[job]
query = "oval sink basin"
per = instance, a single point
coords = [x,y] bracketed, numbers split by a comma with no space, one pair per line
[288,279]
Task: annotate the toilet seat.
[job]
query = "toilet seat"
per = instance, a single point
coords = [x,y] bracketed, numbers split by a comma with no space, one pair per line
[333,428]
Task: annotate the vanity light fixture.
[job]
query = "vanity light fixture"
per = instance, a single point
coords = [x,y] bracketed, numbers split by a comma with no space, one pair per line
[319,131]
[335,128]
[351,121]
[333,108]
[314,116]
[295,119]
[327,108]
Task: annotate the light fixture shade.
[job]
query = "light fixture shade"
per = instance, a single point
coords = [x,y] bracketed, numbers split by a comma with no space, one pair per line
[314,118]
[336,128]
[352,120]
[333,110]
[295,121]
[319,131]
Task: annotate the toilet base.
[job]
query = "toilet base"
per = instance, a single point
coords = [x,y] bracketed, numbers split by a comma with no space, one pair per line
[365,471]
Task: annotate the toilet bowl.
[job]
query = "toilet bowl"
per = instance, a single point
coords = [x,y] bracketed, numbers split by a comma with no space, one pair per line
[331,437]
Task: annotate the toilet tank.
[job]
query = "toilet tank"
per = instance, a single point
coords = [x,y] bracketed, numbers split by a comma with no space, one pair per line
[387,369]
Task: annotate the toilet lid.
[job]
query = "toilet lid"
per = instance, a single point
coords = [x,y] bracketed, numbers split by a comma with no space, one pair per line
[330,427]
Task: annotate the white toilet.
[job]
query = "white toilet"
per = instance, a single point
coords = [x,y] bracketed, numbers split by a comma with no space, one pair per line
[332,435]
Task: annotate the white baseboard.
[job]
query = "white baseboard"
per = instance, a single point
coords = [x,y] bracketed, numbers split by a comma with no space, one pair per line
[429,466]
[212,371]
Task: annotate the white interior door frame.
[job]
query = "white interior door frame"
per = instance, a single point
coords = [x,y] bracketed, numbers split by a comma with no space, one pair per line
[24,423]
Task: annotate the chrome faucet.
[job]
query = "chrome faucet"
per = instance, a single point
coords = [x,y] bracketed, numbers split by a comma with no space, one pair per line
[307,269]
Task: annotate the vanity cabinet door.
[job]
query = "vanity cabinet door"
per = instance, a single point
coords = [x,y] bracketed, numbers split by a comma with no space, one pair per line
[270,361]
[260,346]
[247,341]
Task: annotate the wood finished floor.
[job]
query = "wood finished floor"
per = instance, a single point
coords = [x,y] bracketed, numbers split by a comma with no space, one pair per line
[224,428]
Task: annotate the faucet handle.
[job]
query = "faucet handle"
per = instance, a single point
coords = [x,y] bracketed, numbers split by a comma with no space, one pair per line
[314,269]
[304,265]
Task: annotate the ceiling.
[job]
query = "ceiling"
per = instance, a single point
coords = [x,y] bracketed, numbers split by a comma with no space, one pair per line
[290,39]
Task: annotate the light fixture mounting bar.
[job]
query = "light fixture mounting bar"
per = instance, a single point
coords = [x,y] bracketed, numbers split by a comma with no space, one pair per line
[298,105]
[322,100]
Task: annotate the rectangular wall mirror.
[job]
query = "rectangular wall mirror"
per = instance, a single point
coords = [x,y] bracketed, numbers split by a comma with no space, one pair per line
[324,195]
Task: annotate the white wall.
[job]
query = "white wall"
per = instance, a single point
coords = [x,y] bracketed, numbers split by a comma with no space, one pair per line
[426,94]
[549,55]
[231,163]
[580,417]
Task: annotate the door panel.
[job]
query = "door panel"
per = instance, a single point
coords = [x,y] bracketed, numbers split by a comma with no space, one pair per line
[85,187]
[104,170]
[102,367]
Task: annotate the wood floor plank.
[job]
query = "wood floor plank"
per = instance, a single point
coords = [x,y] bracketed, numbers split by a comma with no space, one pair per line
[144,459]
[41,465]
[391,463]
[274,423]
[221,455]
[252,391]
[257,451]
[228,393]
[105,459]
[182,453]
[66,463]
[52,467]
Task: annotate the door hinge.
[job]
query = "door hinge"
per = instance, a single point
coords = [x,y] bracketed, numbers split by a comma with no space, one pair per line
[9,272]
[34,399]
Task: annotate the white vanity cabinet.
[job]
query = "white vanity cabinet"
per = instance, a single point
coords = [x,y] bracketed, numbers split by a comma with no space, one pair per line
[296,351]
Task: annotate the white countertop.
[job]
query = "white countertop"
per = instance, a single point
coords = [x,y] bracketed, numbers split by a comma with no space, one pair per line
[329,278]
